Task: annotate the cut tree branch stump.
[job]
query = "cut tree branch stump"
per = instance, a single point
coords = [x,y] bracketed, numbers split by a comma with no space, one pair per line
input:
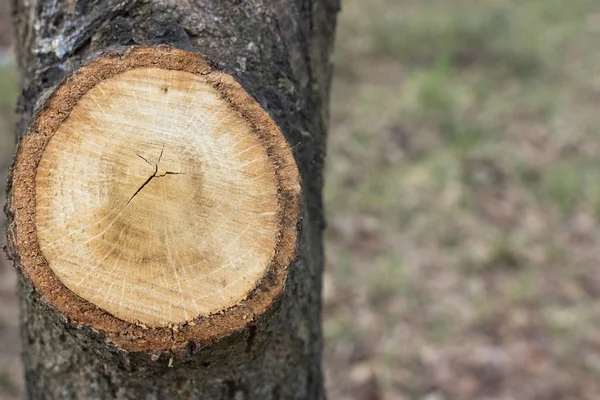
[165,203]
[154,199]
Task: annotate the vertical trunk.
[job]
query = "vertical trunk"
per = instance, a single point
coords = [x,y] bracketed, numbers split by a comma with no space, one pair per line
[279,53]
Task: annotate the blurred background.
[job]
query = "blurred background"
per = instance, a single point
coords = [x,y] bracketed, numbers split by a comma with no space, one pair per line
[463,198]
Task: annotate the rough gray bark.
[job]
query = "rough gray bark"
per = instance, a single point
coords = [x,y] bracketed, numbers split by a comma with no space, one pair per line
[279,51]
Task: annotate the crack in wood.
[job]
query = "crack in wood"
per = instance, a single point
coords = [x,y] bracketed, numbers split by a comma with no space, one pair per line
[144,184]
[154,175]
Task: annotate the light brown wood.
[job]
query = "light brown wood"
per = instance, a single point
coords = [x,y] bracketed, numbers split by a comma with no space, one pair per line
[155,200]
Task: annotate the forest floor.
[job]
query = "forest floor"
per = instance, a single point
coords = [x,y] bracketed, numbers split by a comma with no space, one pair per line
[463,202]
[463,198]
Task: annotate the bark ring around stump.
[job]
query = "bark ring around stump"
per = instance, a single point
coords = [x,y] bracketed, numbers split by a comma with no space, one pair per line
[155,201]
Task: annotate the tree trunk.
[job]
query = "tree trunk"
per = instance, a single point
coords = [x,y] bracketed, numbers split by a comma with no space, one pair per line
[261,61]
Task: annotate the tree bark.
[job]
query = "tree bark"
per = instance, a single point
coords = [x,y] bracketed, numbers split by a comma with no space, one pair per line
[279,53]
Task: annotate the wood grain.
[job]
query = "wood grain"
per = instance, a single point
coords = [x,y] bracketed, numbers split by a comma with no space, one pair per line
[155,200]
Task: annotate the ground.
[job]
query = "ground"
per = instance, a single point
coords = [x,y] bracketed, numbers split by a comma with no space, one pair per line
[463,203]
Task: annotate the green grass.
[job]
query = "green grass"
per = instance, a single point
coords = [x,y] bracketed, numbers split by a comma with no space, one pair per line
[462,190]
[488,39]
[570,185]
[9,86]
